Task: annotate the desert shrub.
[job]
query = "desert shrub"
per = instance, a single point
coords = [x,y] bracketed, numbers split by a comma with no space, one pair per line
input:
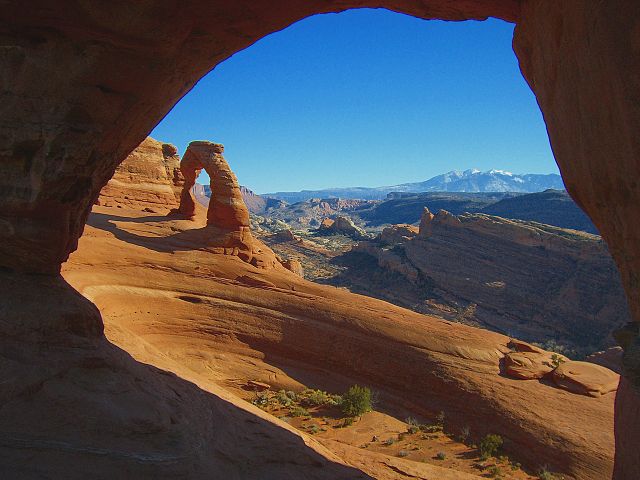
[440,419]
[298,411]
[441,455]
[261,400]
[283,399]
[400,437]
[390,441]
[356,401]
[431,428]
[465,432]
[556,360]
[347,422]
[489,445]
[403,453]
[316,398]
[495,472]
[545,474]
[292,395]
[314,429]
[413,429]
[411,421]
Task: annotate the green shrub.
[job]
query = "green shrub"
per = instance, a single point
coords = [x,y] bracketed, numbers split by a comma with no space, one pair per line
[431,428]
[489,445]
[261,400]
[356,401]
[346,422]
[403,453]
[441,455]
[545,474]
[315,398]
[298,411]
[283,399]
[413,429]
[389,442]
[556,360]
[495,472]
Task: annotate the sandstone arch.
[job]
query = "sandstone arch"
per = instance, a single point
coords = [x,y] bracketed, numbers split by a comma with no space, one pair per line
[83,85]
[226,207]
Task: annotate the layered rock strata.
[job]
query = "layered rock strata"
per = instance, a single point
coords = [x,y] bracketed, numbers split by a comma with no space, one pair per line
[148,179]
[477,269]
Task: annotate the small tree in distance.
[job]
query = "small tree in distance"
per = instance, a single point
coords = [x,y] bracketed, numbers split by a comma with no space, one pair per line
[356,401]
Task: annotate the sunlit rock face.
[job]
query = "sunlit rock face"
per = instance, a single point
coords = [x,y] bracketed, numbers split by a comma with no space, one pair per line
[148,179]
[226,205]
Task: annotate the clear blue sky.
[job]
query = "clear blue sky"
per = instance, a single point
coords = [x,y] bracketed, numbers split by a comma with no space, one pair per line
[366,98]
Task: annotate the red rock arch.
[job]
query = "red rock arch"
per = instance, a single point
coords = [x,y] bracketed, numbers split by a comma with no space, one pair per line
[84,84]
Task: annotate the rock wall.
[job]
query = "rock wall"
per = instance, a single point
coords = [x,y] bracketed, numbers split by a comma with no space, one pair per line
[149,178]
[524,279]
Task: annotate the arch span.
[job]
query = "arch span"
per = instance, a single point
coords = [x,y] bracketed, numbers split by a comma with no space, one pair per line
[83,85]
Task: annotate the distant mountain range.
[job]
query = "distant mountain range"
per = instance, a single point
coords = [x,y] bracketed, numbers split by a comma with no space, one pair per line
[471,181]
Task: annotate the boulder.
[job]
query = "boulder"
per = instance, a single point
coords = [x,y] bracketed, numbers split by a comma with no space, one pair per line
[294,265]
[527,365]
[585,378]
[342,226]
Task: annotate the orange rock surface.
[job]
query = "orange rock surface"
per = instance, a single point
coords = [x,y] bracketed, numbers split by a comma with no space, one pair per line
[149,178]
[212,319]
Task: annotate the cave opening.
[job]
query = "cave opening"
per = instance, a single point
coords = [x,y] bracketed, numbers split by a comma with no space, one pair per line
[570,54]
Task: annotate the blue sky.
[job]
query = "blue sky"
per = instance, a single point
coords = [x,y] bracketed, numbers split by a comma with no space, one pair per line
[366,98]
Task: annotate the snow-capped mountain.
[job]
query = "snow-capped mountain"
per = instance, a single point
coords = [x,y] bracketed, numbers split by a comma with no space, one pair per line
[472,180]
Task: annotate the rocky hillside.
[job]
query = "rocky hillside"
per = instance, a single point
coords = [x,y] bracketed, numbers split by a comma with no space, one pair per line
[553,207]
[215,358]
[525,279]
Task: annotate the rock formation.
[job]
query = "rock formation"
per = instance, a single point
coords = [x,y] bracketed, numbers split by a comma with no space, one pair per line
[585,378]
[149,178]
[294,265]
[475,265]
[398,234]
[341,226]
[426,218]
[226,207]
[83,86]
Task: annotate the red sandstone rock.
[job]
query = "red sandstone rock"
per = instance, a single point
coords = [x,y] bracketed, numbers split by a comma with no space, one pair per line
[226,207]
[148,179]
[294,265]
[528,365]
[326,224]
[585,378]
[397,234]
[425,223]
